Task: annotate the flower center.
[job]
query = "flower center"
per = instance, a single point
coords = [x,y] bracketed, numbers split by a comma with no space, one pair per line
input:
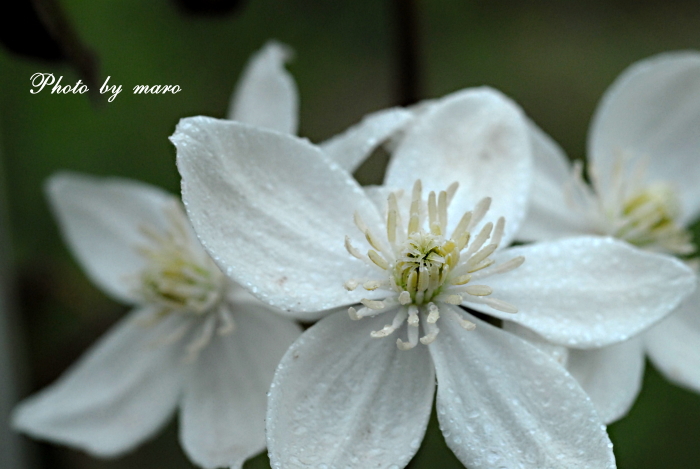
[640,213]
[422,268]
[179,277]
[648,219]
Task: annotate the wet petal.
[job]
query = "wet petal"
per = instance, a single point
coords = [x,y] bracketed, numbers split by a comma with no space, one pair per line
[674,344]
[266,94]
[653,109]
[101,220]
[503,403]
[223,410]
[611,376]
[117,395]
[273,211]
[340,397]
[588,292]
[476,137]
[555,207]
[351,148]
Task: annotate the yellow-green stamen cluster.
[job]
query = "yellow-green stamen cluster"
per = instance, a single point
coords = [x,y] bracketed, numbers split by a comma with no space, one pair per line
[424,267]
[179,277]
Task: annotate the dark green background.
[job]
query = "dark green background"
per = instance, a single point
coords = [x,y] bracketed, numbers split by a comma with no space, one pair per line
[554,58]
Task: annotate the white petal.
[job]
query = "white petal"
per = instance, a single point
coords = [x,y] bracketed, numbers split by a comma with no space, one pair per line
[117,395]
[273,211]
[674,344]
[589,292]
[101,220]
[653,109]
[266,94]
[476,137]
[503,403]
[611,376]
[554,211]
[351,148]
[222,420]
[343,399]
[558,353]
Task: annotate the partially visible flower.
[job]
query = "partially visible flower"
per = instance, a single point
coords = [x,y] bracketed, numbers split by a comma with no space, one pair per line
[308,239]
[644,167]
[195,340]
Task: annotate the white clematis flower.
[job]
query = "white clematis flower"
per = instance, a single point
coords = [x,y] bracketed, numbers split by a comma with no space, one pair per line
[644,168]
[322,246]
[194,340]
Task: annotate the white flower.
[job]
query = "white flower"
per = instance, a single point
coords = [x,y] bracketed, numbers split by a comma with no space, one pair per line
[195,340]
[644,165]
[275,212]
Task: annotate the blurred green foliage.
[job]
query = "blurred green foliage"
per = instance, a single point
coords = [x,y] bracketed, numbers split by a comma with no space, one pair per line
[554,58]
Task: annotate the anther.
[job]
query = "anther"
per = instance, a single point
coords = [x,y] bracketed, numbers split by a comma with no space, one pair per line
[478,290]
[378,260]
[373,304]
[479,211]
[433,313]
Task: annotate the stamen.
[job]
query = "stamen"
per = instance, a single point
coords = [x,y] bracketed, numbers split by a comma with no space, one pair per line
[433,313]
[227,325]
[478,290]
[451,190]
[198,344]
[433,331]
[374,304]
[479,211]
[378,259]
[498,231]
[359,222]
[462,279]
[372,240]
[352,312]
[372,285]
[432,214]
[451,299]
[442,212]
[404,297]
[412,340]
[495,303]
[390,328]
[507,266]
[479,240]
[466,324]
[364,312]
[391,227]
[413,320]
[394,207]
[462,227]
[480,256]
[351,249]
[174,336]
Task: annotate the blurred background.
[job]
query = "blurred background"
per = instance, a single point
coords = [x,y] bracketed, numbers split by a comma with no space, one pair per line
[352,57]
